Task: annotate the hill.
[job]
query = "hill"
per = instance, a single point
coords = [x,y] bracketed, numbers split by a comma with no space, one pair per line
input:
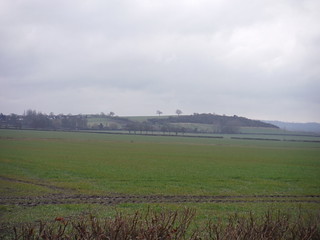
[211,122]
[215,120]
[196,123]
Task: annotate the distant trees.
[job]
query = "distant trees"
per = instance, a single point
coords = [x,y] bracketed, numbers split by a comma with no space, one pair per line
[10,121]
[72,122]
[32,119]
[159,112]
[38,120]
[140,127]
[178,112]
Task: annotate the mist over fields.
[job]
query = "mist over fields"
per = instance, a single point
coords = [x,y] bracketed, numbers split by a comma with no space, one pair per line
[300,127]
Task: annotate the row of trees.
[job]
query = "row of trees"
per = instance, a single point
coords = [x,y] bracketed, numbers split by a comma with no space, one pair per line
[38,120]
[148,127]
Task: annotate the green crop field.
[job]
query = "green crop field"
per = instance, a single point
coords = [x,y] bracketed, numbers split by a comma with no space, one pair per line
[34,164]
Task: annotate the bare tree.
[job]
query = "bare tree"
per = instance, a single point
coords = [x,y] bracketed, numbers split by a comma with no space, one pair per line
[159,112]
[178,111]
[111,114]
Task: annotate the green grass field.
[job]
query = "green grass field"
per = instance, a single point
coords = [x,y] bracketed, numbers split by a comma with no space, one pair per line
[102,164]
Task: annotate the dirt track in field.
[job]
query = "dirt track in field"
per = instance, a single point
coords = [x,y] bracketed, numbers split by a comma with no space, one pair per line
[67,197]
[120,199]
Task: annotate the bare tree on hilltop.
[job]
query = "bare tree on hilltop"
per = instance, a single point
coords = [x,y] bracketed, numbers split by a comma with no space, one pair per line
[159,112]
[178,112]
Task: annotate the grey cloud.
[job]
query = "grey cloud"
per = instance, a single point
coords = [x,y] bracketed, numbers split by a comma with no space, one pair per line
[197,55]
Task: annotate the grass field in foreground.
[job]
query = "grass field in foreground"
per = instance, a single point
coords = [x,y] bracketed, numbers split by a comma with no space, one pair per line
[93,163]
[101,164]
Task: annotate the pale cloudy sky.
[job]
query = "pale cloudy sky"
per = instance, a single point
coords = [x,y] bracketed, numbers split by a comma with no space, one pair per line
[254,58]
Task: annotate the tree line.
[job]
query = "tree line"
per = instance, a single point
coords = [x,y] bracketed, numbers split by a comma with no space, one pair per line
[32,119]
[148,127]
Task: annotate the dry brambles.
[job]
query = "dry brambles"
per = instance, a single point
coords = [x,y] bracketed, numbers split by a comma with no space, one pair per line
[177,225]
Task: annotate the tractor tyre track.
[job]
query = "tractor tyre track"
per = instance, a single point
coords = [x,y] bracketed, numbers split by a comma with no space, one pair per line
[34,183]
[136,199]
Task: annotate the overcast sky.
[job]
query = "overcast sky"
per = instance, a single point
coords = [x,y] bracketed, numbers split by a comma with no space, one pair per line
[254,58]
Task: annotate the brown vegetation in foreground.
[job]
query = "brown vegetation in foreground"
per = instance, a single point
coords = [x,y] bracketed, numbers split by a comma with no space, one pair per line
[173,225]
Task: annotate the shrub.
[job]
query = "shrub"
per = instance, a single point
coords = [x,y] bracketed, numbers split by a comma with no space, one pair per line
[173,225]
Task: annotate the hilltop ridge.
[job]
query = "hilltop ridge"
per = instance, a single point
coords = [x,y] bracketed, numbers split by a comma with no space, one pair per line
[196,123]
[214,119]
